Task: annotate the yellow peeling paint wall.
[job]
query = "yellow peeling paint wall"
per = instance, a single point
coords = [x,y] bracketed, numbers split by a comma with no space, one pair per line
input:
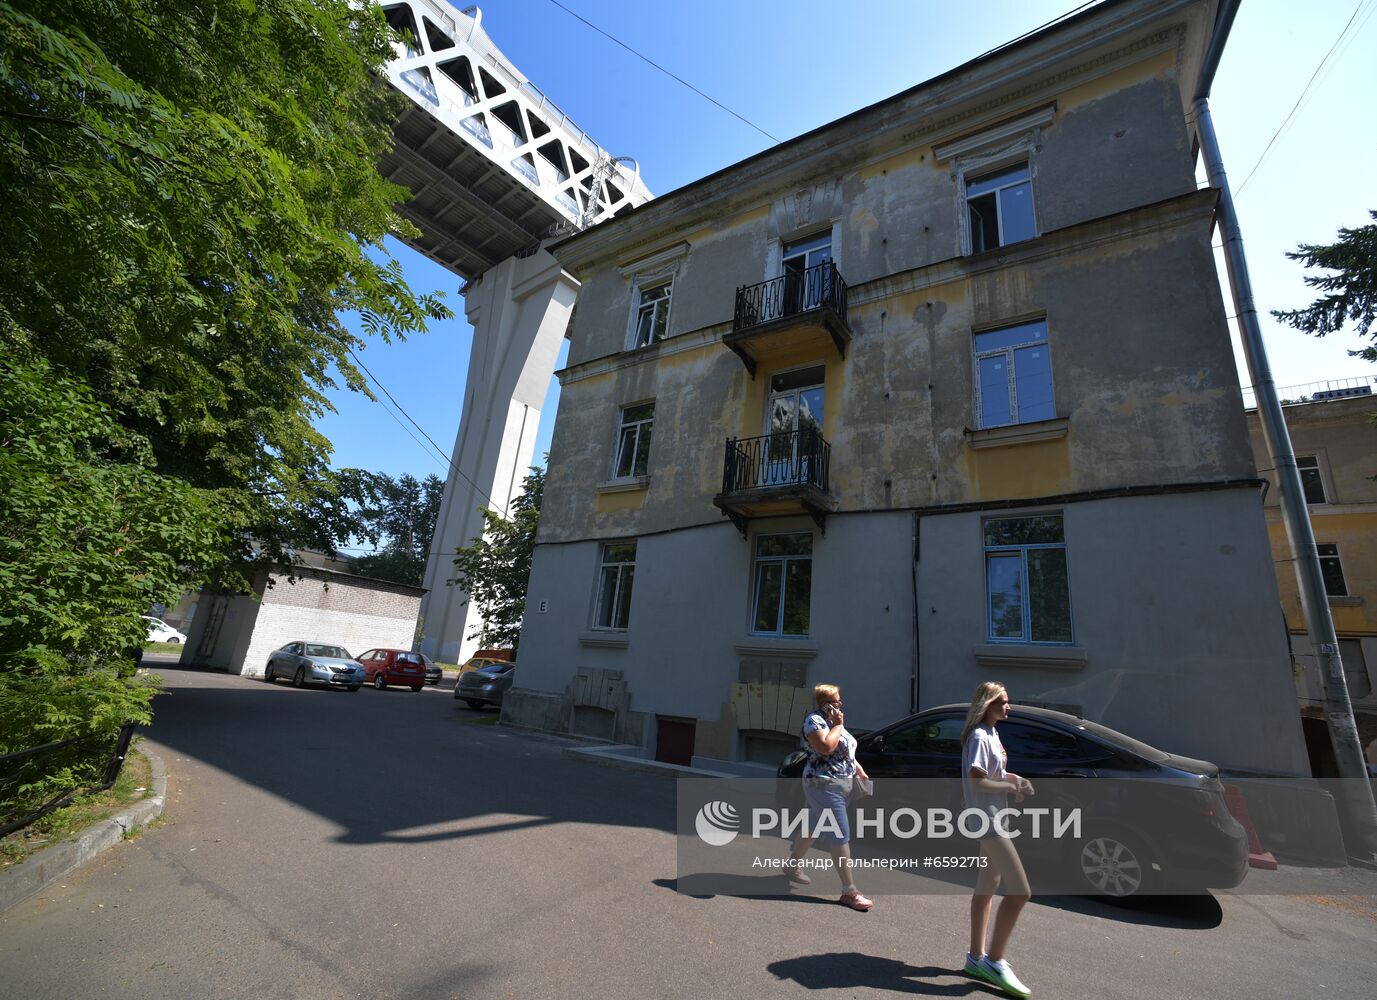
[1341,438]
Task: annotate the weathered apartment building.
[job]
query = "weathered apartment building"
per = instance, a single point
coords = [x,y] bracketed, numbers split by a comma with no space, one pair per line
[939,392]
[1336,451]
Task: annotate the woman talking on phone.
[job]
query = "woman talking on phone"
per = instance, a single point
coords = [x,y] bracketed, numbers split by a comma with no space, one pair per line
[827,778]
[987,784]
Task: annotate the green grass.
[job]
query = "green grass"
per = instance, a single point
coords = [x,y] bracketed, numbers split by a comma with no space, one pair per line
[482,720]
[163,647]
[134,783]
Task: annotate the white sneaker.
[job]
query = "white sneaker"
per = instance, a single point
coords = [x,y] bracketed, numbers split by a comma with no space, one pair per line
[1002,975]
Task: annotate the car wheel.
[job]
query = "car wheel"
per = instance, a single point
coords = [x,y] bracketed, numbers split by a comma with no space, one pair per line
[473,703]
[175,641]
[299,678]
[379,681]
[416,687]
[1115,864]
[268,674]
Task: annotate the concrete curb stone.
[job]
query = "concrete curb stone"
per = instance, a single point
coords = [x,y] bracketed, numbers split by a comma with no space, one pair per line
[45,867]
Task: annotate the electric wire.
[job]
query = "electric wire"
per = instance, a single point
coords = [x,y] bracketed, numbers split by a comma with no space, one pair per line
[1306,90]
[667,73]
[449,462]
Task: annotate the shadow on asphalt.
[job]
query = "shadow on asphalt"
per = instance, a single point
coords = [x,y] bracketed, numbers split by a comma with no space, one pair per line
[852,971]
[404,770]
[763,888]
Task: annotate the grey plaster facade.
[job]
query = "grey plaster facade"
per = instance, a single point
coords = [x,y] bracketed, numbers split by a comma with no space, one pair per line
[1142,450]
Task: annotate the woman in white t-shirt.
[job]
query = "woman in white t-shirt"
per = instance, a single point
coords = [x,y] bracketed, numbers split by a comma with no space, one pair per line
[827,779]
[987,784]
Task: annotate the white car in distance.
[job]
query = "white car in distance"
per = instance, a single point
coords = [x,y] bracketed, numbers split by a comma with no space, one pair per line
[161,631]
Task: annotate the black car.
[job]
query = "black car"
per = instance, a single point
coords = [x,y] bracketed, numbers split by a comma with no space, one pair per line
[1151,821]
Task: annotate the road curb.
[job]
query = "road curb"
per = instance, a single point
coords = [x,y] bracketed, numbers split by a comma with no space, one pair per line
[45,867]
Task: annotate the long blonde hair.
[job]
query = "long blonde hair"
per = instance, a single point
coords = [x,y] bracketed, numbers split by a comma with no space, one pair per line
[980,704]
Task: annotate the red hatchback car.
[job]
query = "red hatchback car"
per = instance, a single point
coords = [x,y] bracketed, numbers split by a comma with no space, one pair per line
[393,666]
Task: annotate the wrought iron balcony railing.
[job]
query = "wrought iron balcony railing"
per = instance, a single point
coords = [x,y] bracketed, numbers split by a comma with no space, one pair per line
[796,458]
[817,287]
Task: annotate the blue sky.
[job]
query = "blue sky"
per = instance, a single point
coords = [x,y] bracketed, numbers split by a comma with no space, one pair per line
[790,67]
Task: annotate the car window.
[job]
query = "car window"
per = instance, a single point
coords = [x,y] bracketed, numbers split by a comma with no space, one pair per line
[927,736]
[1023,742]
[335,652]
[294,647]
[408,658]
[500,667]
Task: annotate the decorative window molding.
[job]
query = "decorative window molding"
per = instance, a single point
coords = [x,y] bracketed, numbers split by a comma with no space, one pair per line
[778,649]
[1017,129]
[647,277]
[999,437]
[630,485]
[1006,145]
[604,640]
[998,656]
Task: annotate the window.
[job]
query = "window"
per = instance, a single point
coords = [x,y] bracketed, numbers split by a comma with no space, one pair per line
[652,315]
[614,585]
[1332,571]
[1013,375]
[633,441]
[999,208]
[783,584]
[1027,591]
[1311,482]
[806,284]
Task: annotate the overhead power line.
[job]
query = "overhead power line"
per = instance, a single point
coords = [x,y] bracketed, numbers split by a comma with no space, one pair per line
[444,458]
[666,72]
[1303,94]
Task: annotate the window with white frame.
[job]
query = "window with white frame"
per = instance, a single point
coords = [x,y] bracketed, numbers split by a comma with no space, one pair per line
[1311,483]
[783,584]
[652,314]
[633,441]
[615,577]
[999,208]
[1027,590]
[1332,571]
[1013,375]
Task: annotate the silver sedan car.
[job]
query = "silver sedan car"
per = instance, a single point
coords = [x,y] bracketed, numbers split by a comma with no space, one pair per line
[315,663]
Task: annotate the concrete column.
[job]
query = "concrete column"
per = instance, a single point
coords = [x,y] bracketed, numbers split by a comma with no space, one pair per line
[519,311]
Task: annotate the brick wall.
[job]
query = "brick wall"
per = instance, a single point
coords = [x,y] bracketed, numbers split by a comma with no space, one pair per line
[352,612]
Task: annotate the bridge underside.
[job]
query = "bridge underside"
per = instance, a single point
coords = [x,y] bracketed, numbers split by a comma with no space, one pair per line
[470,213]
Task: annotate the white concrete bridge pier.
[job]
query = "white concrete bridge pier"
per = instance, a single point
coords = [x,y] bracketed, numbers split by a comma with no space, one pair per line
[519,311]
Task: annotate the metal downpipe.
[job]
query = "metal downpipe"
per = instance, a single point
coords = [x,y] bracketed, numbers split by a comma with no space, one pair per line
[1357,809]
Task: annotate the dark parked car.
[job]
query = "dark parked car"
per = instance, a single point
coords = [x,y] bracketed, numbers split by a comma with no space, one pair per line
[433,670]
[402,667]
[315,663]
[486,685]
[1151,820]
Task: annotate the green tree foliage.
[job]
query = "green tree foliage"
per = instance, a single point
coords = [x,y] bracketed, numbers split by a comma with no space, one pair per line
[400,515]
[191,197]
[190,200]
[496,568]
[88,530]
[1349,290]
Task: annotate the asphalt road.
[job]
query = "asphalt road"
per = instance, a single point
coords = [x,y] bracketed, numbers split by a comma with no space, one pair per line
[324,844]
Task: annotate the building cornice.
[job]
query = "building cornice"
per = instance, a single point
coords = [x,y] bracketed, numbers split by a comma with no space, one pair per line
[1162,216]
[1013,80]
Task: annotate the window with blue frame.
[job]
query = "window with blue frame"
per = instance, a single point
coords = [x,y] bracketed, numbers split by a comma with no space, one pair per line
[1027,591]
[1013,375]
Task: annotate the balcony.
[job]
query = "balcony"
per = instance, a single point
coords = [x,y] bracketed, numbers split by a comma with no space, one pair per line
[798,309]
[776,475]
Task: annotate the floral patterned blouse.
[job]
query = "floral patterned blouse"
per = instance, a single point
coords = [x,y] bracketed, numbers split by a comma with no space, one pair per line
[840,763]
